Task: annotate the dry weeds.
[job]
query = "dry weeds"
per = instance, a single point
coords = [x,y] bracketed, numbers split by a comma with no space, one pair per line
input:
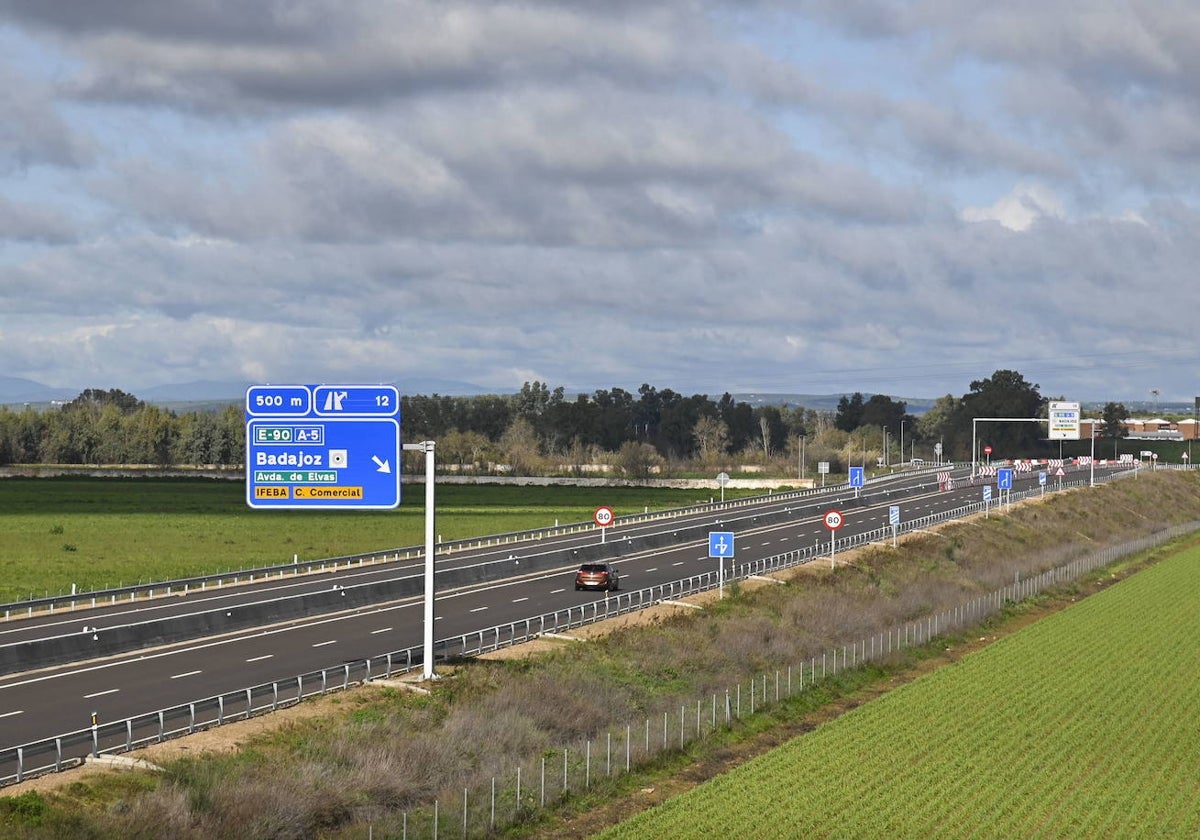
[557,689]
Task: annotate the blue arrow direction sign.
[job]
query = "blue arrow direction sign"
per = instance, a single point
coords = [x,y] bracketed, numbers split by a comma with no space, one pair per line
[1004,479]
[720,543]
[323,446]
[857,478]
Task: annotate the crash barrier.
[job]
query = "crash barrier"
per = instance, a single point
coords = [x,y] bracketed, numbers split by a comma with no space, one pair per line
[105,738]
[183,586]
[110,640]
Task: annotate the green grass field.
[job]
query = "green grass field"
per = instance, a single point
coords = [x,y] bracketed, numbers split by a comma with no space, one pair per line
[1082,725]
[103,532]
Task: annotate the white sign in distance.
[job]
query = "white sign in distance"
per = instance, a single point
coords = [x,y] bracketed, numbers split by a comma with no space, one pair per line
[834,519]
[722,478]
[603,516]
[1064,420]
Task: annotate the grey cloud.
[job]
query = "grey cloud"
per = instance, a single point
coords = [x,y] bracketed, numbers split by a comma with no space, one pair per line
[25,223]
[33,132]
[247,56]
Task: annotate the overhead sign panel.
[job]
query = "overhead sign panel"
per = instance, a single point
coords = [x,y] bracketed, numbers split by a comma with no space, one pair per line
[1064,420]
[323,446]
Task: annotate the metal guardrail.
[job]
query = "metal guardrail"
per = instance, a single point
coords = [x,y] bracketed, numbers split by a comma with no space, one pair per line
[71,749]
[217,580]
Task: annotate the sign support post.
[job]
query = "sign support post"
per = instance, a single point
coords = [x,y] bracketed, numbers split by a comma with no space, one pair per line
[604,518]
[427,447]
[720,545]
[833,520]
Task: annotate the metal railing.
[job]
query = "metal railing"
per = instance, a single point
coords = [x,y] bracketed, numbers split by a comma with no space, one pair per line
[71,749]
[217,580]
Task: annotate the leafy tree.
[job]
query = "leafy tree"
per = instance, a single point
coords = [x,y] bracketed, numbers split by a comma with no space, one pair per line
[638,460]
[467,448]
[773,431]
[677,420]
[150,436]
[883,411]
[519,446]
[98,398]
[616,419]
[711,436]
[1112,421]
[941,424]
[739,419]
[1005,394]
[849,412]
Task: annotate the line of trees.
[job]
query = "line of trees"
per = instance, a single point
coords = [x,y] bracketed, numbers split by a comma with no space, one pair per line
[540,430]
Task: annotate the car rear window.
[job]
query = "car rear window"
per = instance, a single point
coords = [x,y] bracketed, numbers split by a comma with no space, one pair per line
[593,567]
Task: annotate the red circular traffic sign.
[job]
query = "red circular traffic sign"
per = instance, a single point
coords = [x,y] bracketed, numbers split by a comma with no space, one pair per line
[603,516]
[834,519]
[987,450]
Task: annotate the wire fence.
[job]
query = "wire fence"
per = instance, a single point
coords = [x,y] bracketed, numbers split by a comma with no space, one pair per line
[72,748]
[595,764]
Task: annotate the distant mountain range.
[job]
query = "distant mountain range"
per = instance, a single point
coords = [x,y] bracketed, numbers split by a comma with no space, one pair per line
[206,393]
[18,392]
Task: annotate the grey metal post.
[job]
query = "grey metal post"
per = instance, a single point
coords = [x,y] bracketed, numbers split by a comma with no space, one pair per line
[427,671]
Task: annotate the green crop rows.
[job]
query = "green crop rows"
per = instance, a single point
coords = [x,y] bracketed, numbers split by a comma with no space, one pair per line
[1082,725]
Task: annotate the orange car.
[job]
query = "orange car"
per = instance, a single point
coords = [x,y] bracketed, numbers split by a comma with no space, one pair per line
[597,576]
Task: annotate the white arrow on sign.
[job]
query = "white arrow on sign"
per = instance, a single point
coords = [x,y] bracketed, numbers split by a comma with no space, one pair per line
[383,466]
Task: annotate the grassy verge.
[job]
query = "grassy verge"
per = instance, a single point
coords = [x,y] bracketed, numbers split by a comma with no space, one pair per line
[351,774]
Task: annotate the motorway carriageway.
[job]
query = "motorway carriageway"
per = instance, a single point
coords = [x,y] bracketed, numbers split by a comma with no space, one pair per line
[42,704]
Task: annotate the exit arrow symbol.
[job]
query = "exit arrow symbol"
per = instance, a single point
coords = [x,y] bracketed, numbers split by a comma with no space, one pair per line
[384,466]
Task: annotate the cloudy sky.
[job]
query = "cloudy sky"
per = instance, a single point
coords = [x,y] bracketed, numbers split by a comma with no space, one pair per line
[816,196]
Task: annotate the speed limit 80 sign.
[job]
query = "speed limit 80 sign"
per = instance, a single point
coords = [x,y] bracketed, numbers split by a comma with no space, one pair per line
[603,516]
[834,519]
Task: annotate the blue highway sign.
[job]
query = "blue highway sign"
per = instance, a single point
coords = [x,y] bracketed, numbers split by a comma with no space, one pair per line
[323,446]
[720,543]
[856,477]
[1004,478]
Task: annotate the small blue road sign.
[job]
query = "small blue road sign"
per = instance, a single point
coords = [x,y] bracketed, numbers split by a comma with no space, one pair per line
[720,543]
[1004,478]
[894,515]
[987,492]
[1042,479]
[856,477]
